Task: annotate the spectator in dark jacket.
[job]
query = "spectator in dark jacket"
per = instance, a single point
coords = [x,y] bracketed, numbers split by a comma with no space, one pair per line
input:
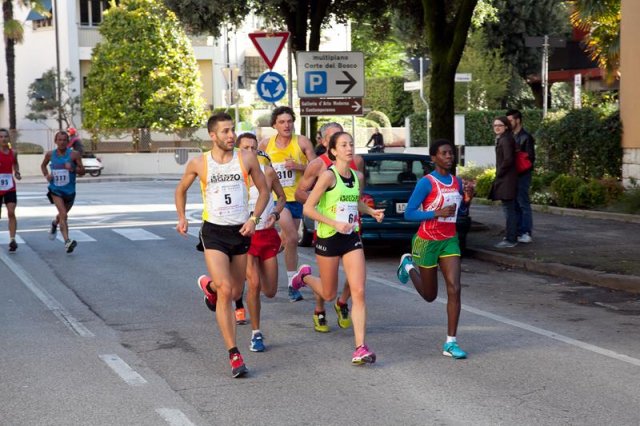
[505,185]
[525,143]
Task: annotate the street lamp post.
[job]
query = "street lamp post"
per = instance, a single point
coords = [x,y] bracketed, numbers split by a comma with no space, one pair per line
[58,82]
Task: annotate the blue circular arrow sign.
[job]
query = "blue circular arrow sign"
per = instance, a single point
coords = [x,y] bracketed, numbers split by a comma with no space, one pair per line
[271,86]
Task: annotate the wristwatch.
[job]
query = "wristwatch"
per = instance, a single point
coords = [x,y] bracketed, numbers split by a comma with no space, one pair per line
[277,215]
[255,219]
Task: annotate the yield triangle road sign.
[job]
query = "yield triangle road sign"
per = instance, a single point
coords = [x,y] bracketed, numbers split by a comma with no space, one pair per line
[269,45]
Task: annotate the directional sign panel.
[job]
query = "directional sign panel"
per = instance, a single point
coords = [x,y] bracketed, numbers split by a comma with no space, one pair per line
[326,106]
[330,74]
[271,86]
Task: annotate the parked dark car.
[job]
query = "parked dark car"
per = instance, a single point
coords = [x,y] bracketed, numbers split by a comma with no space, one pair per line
[389,182]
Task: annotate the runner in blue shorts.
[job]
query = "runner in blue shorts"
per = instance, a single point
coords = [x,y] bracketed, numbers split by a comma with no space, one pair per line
[436,201]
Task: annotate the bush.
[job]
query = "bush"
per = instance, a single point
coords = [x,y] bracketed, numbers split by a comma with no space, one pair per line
[29,148]
[613,189]
[582,142]
[379,117]
[470,172]
[563,189]
[484,182]
[388,95]
[629,202]
[590,194]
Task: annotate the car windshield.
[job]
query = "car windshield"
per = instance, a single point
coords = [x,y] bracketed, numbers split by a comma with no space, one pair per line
[395,171]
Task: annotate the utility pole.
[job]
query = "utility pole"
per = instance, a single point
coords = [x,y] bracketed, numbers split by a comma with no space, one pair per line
[428,123]
[58,82]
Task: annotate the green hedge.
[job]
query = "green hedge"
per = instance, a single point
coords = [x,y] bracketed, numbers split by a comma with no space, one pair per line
[388,95]
[29,148]
[478,131]
[585,143]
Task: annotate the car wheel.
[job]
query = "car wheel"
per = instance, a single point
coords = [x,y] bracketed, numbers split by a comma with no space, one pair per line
[305,237]
[95,173]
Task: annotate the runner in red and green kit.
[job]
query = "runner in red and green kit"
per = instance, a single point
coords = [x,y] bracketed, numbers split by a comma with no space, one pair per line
[9,169]
[436,201]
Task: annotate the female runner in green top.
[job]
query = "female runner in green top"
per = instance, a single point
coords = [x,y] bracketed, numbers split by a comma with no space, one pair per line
[335,204]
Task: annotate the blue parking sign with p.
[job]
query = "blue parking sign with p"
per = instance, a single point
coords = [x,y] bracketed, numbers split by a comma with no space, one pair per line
[315,82]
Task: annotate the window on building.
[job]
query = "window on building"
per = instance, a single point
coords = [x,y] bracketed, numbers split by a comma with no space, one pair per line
[42,23]
[91,11]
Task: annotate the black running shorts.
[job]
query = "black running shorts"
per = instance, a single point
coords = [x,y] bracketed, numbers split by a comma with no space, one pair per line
[338,244]
[226,239]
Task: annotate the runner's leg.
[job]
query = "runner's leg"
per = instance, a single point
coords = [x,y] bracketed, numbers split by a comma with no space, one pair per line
[219,268]
[353,263]
[451,271]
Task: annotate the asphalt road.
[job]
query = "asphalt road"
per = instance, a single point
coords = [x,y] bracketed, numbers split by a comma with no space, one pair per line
[117,333]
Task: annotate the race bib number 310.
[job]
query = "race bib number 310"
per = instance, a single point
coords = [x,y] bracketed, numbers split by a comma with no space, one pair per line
[287,177]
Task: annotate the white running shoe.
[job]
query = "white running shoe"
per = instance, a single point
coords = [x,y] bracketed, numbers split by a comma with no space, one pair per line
[525,238]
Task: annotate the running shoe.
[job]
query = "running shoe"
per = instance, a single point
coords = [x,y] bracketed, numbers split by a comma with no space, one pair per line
[320,322]
[210,298]
[403,275]
[453,350]
[344,321]
[363,355]
[53,231]
[13,246]
[297,282]
[257,343]
[70,245]
[241,316]
[238,369]
[295,295]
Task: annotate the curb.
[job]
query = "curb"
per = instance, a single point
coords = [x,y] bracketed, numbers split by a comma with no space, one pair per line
[629,283]
[590,214]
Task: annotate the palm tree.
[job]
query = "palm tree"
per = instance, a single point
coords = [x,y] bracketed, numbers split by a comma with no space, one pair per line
[13,34]
[601,18]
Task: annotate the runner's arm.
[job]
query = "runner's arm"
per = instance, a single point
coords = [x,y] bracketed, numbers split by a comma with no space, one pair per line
[307,148]
[325,181]
[420,192]
[250,161]
[77,158]
[190,174]
[377,214]
[274,183]
[44,167]
[314,168]
[16,166]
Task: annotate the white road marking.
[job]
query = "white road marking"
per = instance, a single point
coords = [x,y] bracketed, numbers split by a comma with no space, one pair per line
[513,323]
[52,304]
[4,238]
[77,235]
[174,417]
[122,369]
[137,234]
[101,209]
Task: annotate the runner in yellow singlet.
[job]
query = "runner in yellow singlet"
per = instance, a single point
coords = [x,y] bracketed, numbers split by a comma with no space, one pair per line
[290,154]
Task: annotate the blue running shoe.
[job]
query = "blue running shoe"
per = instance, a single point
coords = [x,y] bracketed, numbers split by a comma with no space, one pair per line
[403,275]
[295,295]
[453,350]
[257,343]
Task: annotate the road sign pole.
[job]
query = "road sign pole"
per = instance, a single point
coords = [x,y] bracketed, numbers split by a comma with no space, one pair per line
[290,72]
[425,101]
[545,75]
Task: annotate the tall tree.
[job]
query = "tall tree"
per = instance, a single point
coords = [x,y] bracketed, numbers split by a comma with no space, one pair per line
[13,32]
[144,73]
[437,28]
[601,18]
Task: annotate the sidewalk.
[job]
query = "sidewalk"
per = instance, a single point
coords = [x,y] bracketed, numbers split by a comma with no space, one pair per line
[593,247]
